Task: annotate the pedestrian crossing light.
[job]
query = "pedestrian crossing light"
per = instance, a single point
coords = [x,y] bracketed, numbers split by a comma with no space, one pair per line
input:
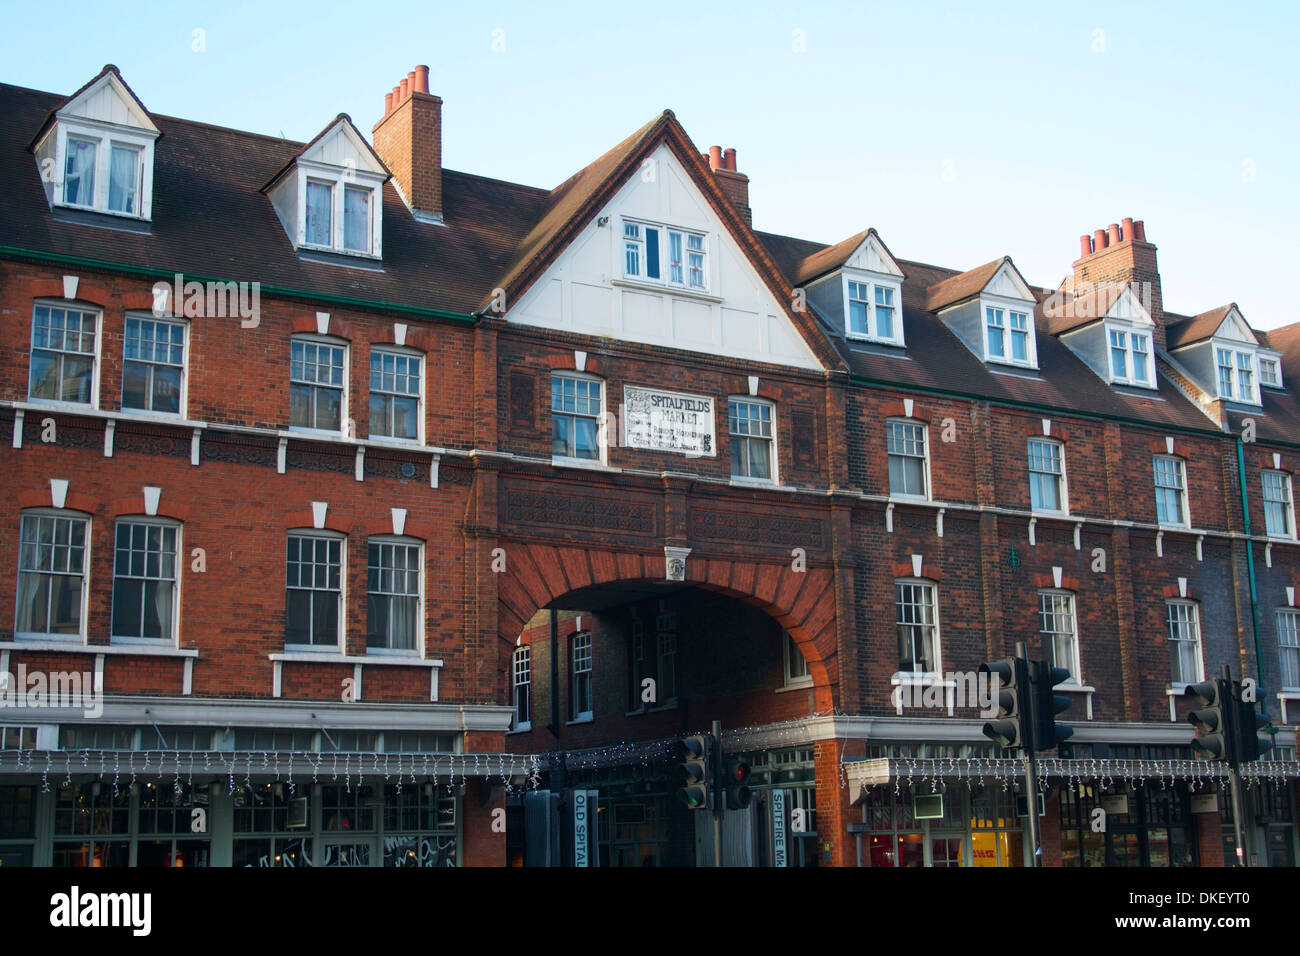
[696,753]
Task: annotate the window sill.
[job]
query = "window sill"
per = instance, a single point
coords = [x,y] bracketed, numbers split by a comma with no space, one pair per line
[297,431]
[910,499]
[794,685]
[873,340]
[521,729]
[584,719]
[740,481]
[333,251]
[642,711]
[560,462]
[56,405]
[926,679]
[77,646]
[669,288]
[1041,513]
[319,657]
[390,442]
[98,211]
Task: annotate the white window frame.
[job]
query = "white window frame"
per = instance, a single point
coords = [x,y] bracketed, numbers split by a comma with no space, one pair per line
[1284,650]
[872,281]
[182,413]
[174,639]
[105,136]
[406,542]
[87,558]
[1234,357]
[915,675]
[1074,665]
[1276,364]
[1129,348]
[345,387]
[338,179]
[602,439]
[576,715]
[95,356]
[1007,306]
[326,535]
[925,469]
[521,663]
[1193,618]
[1062,484]
[1157,488]
[771,440]
[665,266]
[793,660]
[406,353]
[1288,504]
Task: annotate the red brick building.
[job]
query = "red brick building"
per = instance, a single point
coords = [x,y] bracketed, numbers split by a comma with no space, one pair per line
[361,511]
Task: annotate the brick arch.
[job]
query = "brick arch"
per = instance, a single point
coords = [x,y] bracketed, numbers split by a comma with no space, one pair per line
[802,602]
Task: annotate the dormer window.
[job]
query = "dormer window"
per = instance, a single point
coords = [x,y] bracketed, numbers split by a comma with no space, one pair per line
[1002,347]
[1236,375]
[1270,372]
[872,309]
[330,196]
[1130,357]
[97,154]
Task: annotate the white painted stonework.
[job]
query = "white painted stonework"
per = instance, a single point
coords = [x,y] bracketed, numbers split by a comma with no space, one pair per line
[585,291]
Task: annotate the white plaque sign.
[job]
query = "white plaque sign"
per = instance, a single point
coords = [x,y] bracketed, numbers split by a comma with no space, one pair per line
[668,421]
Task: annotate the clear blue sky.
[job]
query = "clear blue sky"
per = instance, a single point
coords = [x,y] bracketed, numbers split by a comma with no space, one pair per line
[962,131]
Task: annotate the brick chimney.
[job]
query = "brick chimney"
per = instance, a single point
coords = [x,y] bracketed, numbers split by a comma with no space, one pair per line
[735,185]
[409,141]
[1120,255]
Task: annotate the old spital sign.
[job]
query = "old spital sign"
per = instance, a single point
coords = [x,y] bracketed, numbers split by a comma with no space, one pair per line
[668,421]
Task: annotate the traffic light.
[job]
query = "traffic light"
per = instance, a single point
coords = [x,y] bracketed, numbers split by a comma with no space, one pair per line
[1047,732]
[1011,729]
[1250,746]
[696,752]
[1212,719]
[737,778]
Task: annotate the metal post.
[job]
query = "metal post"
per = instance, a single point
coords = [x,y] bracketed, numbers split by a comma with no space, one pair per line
[1228,696]
[1027,737]
[719,795]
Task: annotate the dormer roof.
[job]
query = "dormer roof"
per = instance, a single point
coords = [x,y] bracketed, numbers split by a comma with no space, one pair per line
[338,144]
[999,276]
[105,97]
[1063,312]
[866,251]
[1226,321]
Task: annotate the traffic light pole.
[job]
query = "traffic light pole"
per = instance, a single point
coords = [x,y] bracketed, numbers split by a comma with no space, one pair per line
[1031,771]
[719,793]
[1229,698]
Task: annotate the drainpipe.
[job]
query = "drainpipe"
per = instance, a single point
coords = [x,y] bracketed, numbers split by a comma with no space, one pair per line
[555,672]
[1250,572]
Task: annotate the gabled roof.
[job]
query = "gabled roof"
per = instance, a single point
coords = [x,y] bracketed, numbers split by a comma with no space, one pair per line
[827,260]
[1063,311]
[575,201]
[967,285]
[113,76]
[354,136]
[1201,327]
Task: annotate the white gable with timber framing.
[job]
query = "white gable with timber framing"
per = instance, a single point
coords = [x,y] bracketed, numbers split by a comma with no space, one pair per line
[658,266]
